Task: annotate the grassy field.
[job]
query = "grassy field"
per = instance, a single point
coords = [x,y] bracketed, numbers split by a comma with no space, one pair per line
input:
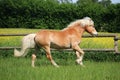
[17,30]
[20,69]
[13,40]
[97,65]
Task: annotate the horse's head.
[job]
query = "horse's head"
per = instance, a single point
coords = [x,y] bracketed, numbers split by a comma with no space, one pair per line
[88,25]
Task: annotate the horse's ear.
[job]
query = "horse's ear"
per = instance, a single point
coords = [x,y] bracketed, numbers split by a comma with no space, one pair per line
[91,22]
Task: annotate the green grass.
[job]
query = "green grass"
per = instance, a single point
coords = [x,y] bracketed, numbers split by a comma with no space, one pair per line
[97,43]
[20,69]
[17,30]
[13,40]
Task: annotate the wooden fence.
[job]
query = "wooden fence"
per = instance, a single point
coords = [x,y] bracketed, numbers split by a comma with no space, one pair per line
[115,38]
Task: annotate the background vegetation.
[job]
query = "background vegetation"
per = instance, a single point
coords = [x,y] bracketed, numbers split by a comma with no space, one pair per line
[56,14]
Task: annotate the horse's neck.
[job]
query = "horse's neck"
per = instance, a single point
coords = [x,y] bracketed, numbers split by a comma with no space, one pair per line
[81,30]
[77,29]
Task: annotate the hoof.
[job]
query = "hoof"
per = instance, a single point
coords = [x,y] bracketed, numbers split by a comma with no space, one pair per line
[56,66]
[79,63]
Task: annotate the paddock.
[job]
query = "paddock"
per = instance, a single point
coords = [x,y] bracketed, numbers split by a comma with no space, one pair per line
[13,68]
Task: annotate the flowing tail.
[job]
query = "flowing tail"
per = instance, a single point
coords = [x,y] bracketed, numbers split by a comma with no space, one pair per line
[27,43]
[17,53]
[21,53]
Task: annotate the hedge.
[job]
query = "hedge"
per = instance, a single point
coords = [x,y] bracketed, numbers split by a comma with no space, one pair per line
[50,14]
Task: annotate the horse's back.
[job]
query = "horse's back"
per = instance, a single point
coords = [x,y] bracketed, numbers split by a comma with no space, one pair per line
[42,37]
[55,39]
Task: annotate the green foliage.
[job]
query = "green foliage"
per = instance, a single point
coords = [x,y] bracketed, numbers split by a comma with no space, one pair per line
[112,18]
[54,14]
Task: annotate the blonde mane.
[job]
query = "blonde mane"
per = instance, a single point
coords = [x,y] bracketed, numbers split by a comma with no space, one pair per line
[83,22]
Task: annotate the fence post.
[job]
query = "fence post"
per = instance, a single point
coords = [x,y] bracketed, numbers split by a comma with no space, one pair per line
[116,44]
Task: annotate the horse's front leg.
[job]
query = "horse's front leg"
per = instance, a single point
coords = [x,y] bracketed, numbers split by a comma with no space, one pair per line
[48,54]
[79,54]
[79,58]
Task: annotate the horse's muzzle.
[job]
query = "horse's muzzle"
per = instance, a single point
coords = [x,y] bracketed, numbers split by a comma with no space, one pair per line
[95,34]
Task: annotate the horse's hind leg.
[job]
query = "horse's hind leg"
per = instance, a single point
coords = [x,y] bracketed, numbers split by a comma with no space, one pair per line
[48,54]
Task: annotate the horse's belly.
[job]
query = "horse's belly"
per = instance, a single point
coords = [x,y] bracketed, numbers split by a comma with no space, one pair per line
[60,46]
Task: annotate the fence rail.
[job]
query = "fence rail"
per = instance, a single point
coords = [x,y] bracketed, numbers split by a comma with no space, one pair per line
[115,38]
[101,35]
[105,50]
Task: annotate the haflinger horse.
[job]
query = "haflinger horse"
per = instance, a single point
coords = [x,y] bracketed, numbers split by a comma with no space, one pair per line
[69,37]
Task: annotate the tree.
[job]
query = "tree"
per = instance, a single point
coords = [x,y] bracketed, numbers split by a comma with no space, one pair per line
[112,18]
[105,3]
[85,2]
[65,1]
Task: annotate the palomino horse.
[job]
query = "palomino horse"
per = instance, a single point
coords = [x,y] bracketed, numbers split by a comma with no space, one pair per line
[69,37]
[27,43]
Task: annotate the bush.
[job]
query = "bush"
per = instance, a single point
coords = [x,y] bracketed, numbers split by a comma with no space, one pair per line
[66,55]
[51,14]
